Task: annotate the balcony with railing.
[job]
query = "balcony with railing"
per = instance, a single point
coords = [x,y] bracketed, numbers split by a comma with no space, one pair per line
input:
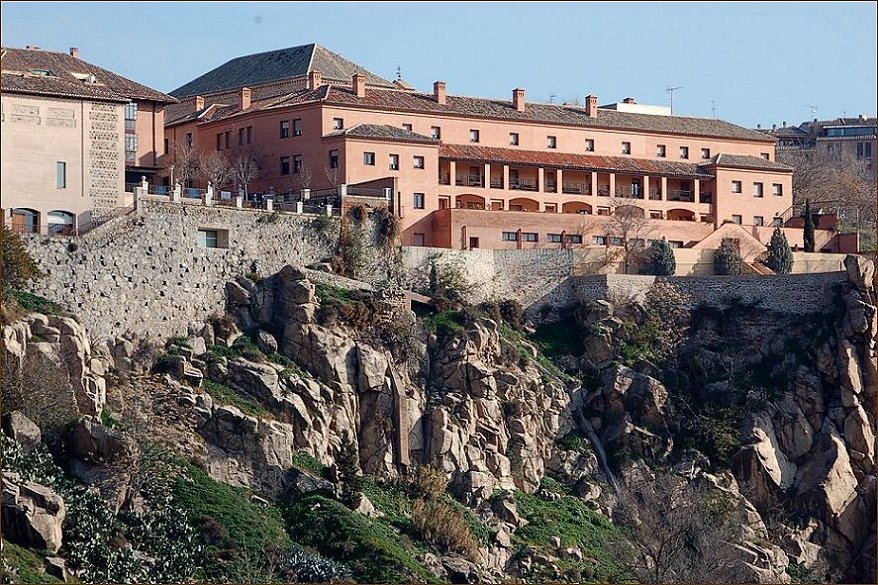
[681,195]
[655,194]
[629,191]
[705,197]
[497,182]
[469,181]
[523,185]
[576,188]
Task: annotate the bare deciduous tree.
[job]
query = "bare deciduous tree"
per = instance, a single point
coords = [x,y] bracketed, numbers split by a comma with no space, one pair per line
[630,227]
[186,163]
[331,174]
[214,168]
[245,166]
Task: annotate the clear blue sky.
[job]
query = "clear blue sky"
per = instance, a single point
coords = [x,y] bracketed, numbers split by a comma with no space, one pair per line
[760,62]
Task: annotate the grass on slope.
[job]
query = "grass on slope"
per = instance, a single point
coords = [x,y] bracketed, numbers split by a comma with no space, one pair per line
[26,563]
[226,395]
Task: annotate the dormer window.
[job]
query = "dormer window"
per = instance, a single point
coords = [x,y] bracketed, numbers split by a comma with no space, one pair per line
[43,72]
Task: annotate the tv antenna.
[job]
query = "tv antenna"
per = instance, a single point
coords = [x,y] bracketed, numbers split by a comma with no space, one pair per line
[398,73]
[671,91]
[712,108]
[552,98]
[813,112]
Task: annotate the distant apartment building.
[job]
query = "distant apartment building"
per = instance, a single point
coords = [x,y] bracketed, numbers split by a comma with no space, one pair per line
[851,141]
[467,172]
[72,135]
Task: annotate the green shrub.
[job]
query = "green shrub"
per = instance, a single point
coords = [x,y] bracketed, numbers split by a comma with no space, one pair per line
[780,256]
[349,477]
[561,338]
[727,259]
[19,268]
[306,462]
[808,235]
[21,565]
[34,303]
[225,395]
[299,566]
[660,259]
[446,324]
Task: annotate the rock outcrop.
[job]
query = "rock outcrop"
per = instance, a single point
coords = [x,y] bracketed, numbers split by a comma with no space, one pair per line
[32,513]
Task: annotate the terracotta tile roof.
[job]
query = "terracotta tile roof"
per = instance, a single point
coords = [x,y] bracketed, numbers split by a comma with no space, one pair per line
[275,66]
[383,132]
[785,132]
[738,161]
[618,164]
[60,79]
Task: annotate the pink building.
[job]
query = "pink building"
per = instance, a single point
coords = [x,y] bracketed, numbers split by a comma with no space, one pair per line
[474,172]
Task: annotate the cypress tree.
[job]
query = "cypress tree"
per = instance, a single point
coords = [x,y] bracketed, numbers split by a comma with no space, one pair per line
[661,259]
[780,256]
[349,479]
[809,227]
[727,260]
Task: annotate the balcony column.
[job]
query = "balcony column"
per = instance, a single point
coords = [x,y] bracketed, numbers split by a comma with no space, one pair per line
[612,184]
[452,173]
[646,187]
[664,194]
[594,183]
[559,182]
[506,176]
[541,173]
[486,180]
[696,190]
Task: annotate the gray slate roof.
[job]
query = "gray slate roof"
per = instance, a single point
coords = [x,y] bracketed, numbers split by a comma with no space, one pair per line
[740,161]
[384,132]
[18,65]
[274,66]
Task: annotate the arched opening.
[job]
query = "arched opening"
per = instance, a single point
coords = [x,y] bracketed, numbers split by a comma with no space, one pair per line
[632,211]
[680,215]
[25,221]
[61,222]
[576,207]
[470,202]
[523,204]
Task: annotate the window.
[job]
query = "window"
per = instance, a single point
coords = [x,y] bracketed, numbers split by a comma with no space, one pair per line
[510,236]
[513,138]
[60,175]
[337,123]
[615,241]
[284,128]
[130,147]
[284,165]
[445,203]
[473,135]
[369,158]
[241,136]
[757,189]
[551,142]
[626,148]
[219,141]
[297,164]
[765,155]
[655,214]
[249,134]
[436,132]
[777,189]
[333,159]
[188,139]
[758,220]
[599,240]
[603,211]
[684,152]
[419,201]
[574,239]
[419,162]
[589,145]
[736,186]
[297,127]
[705,153]
[407,127]
[228,139]
[394,162]
[167,145]
[736,219]
[864,150]
[675,243]
[660,150]
[209,238]
[553,238]
[529,237]
[130,116]
[776,222]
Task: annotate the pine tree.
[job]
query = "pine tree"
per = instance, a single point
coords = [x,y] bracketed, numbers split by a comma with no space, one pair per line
[349,479]
[780,256]
[727,260]
[661,259]
[809,227]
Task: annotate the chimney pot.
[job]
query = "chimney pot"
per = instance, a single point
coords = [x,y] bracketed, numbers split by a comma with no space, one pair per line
[358,82]
[518,99]
[439,92]
[199,103]
[759,126]
[629,100]
[591,106]
[74,52]
[245,98]
[774,126]
[315,80]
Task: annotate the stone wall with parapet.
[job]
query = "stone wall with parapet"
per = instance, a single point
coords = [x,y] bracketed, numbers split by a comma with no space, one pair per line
[797,294]
[146,272]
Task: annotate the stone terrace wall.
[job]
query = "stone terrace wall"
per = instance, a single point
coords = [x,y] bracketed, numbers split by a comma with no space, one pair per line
[146,273]
[796,294]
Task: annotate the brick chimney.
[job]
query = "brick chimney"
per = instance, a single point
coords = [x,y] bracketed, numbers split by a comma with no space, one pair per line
[629,101]
[439,92]
[245,98]
[591,106]
[315,80]
[199,103]
[74,52]
[518,99]
[359,84]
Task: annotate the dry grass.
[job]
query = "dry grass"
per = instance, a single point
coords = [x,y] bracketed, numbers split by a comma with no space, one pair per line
[438,522]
